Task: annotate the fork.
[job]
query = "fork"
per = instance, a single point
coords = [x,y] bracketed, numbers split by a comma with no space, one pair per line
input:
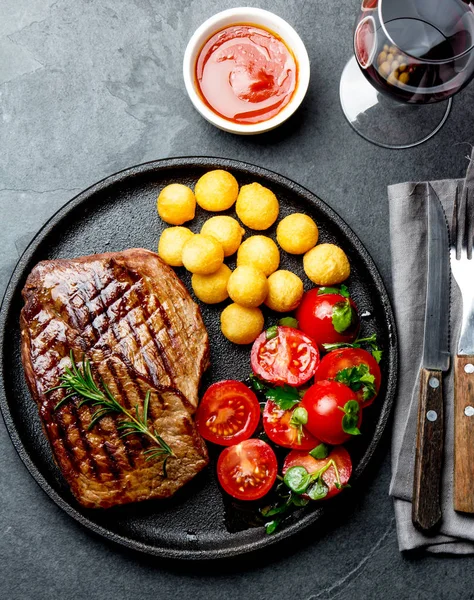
[462,267]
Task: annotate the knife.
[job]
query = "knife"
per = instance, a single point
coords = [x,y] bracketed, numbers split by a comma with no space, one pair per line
[426,507]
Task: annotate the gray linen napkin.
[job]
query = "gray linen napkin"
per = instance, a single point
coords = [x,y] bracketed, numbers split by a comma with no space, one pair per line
[408,239]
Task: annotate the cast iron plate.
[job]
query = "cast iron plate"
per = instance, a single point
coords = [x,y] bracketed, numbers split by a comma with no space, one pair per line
[117,213]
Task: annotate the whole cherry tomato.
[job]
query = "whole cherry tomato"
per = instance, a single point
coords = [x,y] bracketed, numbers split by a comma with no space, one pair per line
[284,428]
[328,318]
[343,464]
[334,415]
[355,368]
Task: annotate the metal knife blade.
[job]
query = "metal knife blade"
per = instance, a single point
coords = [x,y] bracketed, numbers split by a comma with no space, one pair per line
[426,507]
[436,337]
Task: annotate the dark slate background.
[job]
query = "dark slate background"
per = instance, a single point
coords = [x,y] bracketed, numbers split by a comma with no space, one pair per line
[89,87]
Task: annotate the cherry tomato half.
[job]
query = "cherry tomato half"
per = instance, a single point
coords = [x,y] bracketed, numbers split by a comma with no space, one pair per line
[315,316]
[247,471]
[228,413]
[278,427]
[339,455]
[290,357]
[336,364]
[326,402]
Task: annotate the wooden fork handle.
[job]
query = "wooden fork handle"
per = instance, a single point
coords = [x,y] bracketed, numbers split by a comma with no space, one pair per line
[464,434]
[426,507]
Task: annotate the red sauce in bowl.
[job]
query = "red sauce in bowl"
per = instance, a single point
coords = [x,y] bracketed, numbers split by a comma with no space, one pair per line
[246,74]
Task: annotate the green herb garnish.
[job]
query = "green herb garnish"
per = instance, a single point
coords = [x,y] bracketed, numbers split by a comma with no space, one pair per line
[377,354]
[342,315]
[289,322]
[285,397]
[342,291]
[272,526]
[297,479]
[320,452]
[299,417]
[318,490]
[371,341]
[358,378]
[77,381]
[301,482]
[271,332]
[257,384]
[288,502]
[351,417]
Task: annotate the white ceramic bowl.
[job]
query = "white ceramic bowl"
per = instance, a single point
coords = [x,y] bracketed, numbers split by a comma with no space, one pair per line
[249,16]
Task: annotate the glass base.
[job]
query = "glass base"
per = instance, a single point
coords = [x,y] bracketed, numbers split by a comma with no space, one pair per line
[384,121]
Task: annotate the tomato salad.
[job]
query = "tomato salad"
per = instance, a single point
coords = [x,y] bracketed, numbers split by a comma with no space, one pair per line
[307,406]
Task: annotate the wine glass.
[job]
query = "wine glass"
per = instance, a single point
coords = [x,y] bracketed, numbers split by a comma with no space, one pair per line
[411,57]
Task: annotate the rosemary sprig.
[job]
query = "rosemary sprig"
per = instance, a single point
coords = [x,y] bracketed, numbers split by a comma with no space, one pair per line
[80,382]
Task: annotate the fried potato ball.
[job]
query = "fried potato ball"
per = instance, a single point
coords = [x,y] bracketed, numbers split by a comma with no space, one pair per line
[248,286]
[225,230]
[202,255]
[216,190]
[171,244]
[212,288]
[297,233]
[285,290]
[326,264]
[257,206]
[241,325]
[261,252]
[176,204]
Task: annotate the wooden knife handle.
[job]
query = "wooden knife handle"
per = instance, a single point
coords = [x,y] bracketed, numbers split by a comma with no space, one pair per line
[426,508]
[464,434]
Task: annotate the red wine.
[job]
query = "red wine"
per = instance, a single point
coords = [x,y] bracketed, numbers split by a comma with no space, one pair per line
[421,52]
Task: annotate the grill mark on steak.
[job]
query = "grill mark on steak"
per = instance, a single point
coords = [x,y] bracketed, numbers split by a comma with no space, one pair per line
[93,314]
[41,342]
[139,443]
[78,425]
[130,446]
[136,337]
[124,441]
[51,422]
[65,435]
[114,433]
[72,316]
[41,328]
[146,316]
[168,327]
[109,450]
[163,389]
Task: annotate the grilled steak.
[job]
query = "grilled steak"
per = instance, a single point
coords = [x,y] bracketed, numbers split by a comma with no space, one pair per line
[132,318]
